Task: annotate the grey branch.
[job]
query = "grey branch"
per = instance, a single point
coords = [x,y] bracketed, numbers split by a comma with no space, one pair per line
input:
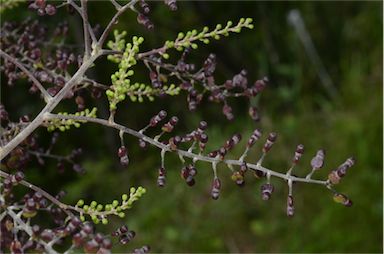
[188,154]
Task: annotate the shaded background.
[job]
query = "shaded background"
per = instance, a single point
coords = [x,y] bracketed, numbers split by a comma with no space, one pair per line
[348,38]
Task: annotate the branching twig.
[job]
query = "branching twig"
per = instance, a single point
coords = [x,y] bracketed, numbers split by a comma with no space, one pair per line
[44,193]
[80,11]
[46,95]
[197,157]
[87,44]
[26,228]
[5,150]
[120,11]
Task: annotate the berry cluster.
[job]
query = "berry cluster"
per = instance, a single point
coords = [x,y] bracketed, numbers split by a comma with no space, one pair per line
[142,17]
[25,41]
[11,181]
[160,72]
[238,176]
[42,8]
[20,235]
[90,241]
[30,149]
[189,171]
[125,235]
[61,67]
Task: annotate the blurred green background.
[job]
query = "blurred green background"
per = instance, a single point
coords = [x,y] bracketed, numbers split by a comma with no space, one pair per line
[348,38]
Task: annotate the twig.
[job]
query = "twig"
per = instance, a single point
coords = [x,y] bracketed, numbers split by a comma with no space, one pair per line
[80,11]
[5,150]
[46,95]
[116,4]
[43,192]
[197,157]
[120,11]
[85,28]
[26,228]
[179,43]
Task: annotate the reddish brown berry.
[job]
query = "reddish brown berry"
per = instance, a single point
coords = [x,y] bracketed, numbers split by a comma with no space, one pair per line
[266,191]
[298,153]
[290,206]
[161,177]
[270,141]
[215,189]
[254,113]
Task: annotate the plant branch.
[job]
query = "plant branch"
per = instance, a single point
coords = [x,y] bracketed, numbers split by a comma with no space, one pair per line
[191,39]
[26,228]
[13,60]
[43,192]
[196,157]
[66,208]
[87,44]
[120,11]
[116,4]
[80,11]
[52,103]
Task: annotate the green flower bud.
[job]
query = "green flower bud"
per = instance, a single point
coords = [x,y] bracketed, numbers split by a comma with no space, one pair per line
[80,202]
[180,36]
[133,98]
[109,93]
[165,56]
[115,203]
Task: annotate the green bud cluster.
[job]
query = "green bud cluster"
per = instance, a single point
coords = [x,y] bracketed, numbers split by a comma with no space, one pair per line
[121,84]
[65,124]
[117,45]
[99,213]
[171,90]
[188,39]
[138,91]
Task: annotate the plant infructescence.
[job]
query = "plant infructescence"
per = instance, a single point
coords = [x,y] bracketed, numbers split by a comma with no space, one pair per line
[58,72]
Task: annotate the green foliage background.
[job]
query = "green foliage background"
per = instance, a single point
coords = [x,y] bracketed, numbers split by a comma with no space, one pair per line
[348,37]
